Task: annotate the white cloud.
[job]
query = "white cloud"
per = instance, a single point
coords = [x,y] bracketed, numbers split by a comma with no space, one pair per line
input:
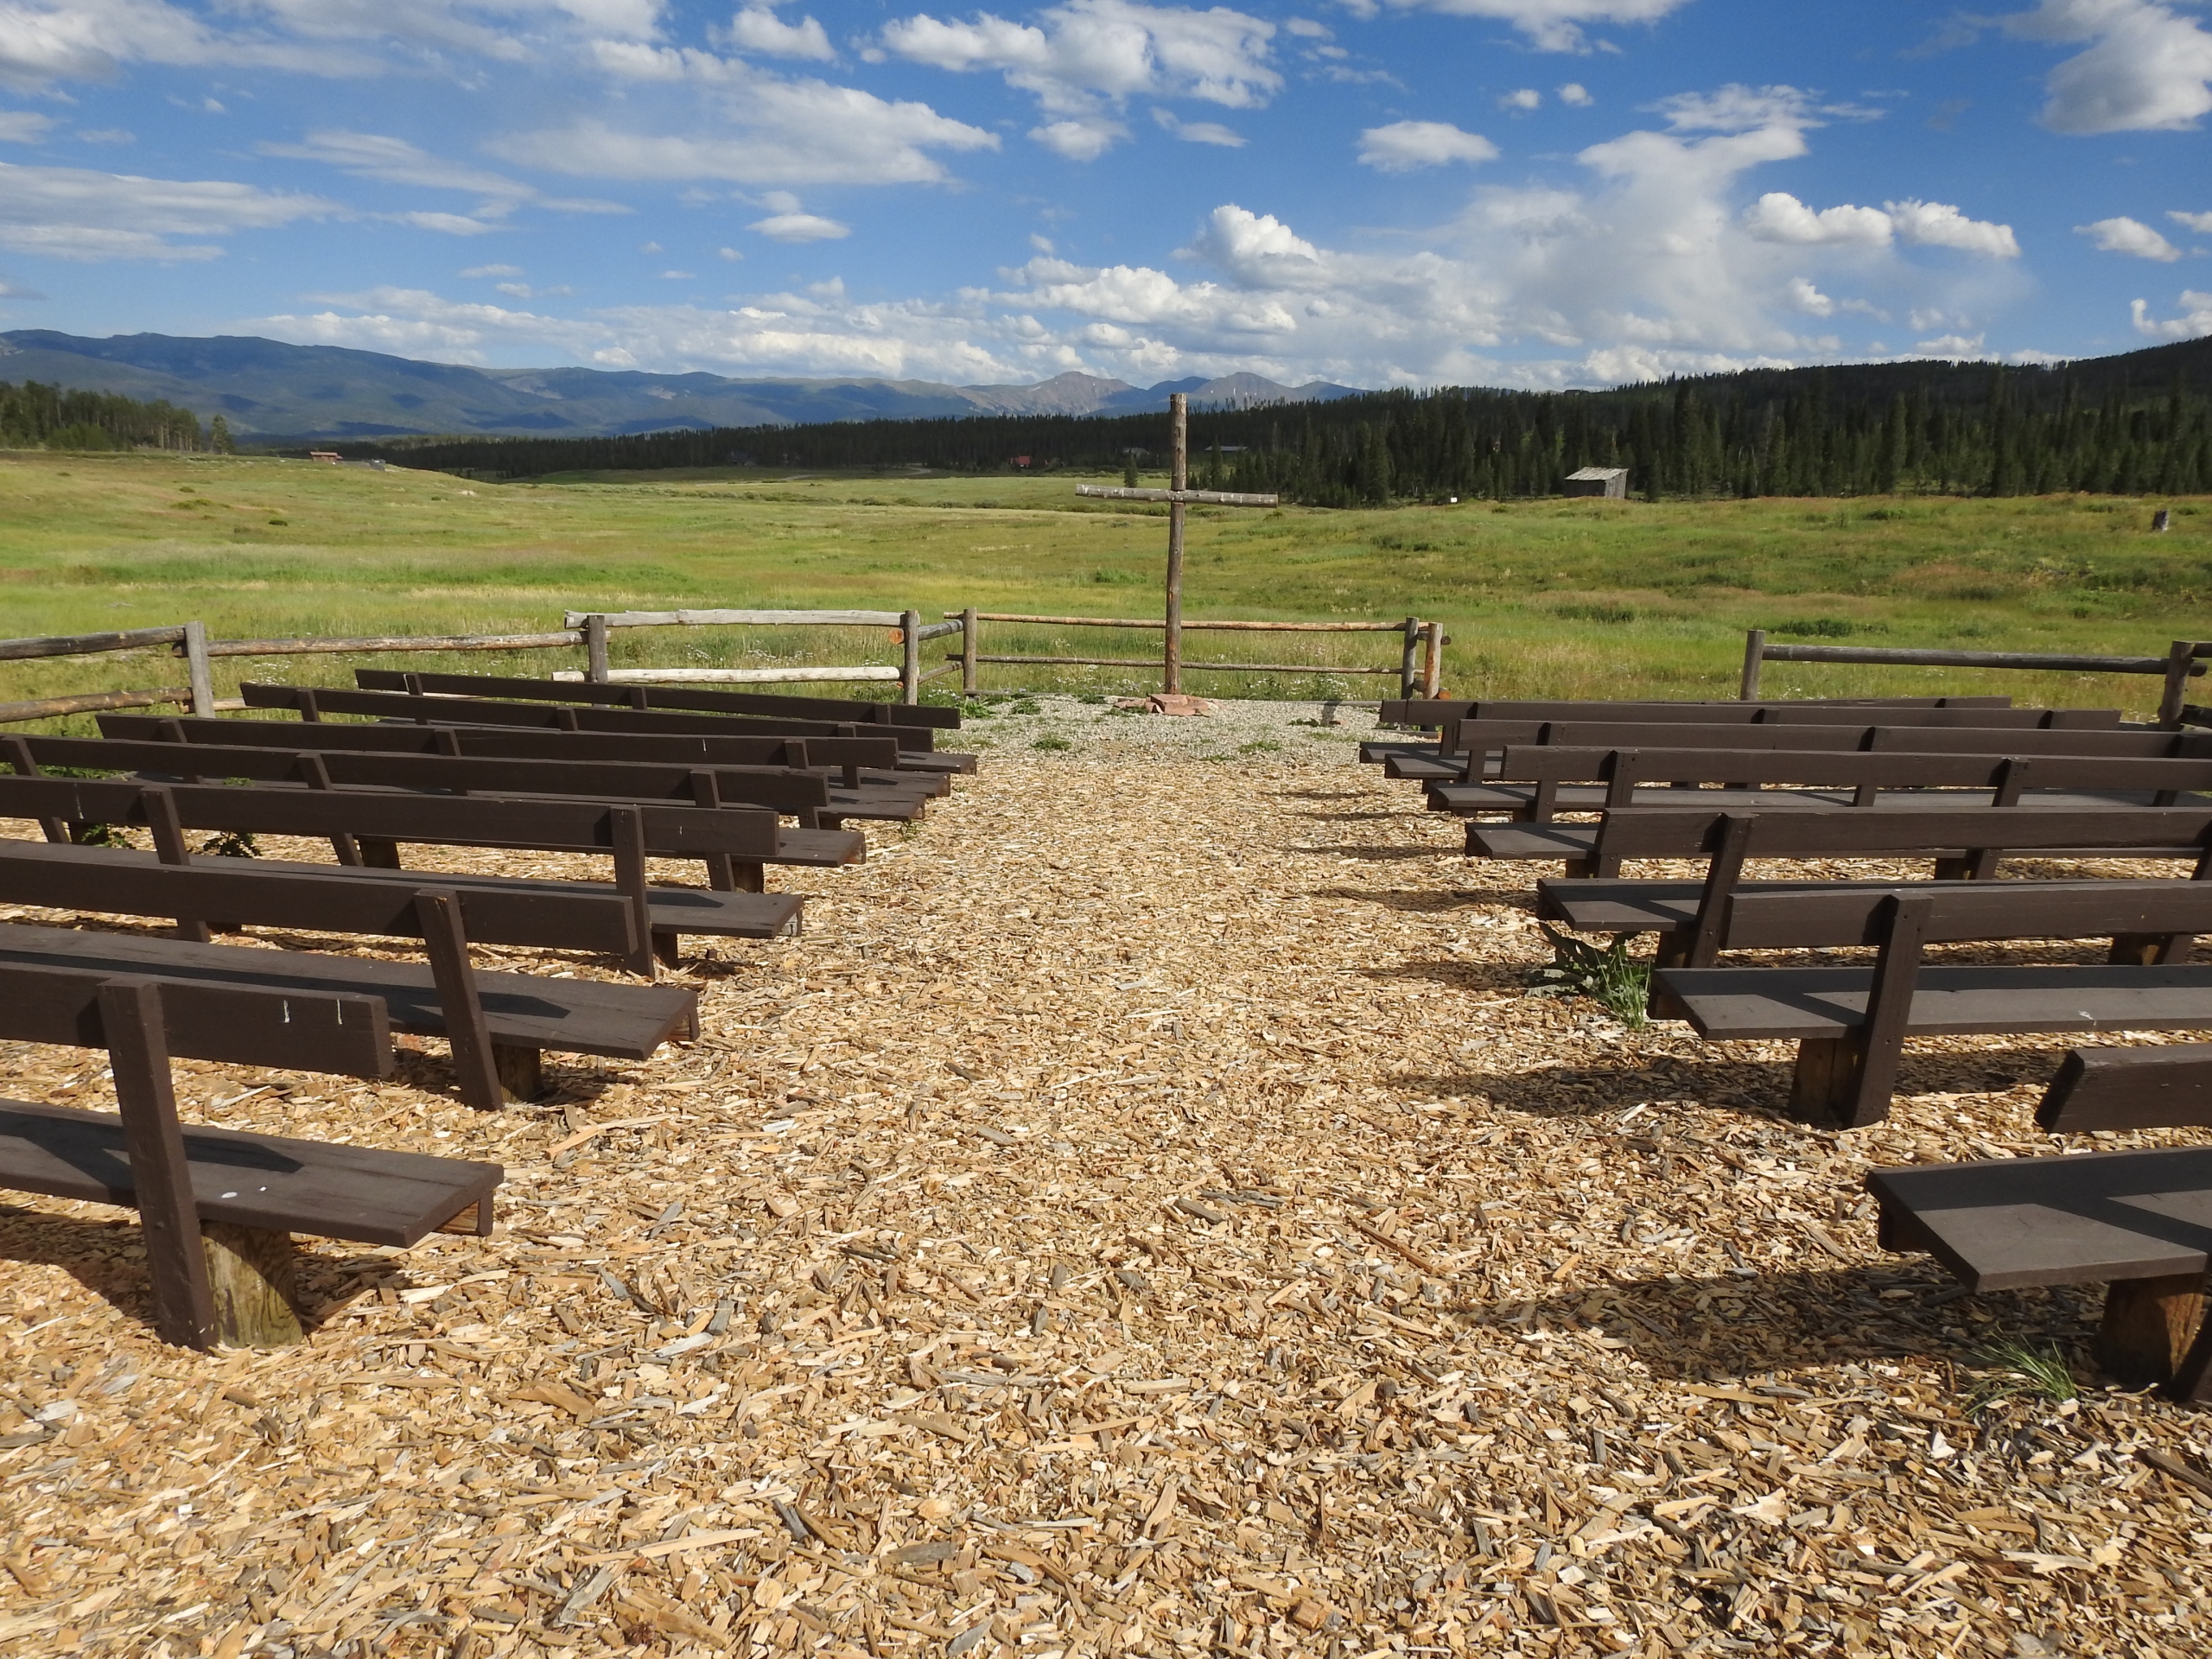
[492,270]
[1574,93]
[70,213]
[1777,216]
[2194,323]
[730,254]
[394,161]
[1951,345]
[1934,225]
[799,227]
[512,290]
[756,129]
[1809,299]
[2146,66]
[2200,222]
[446,224]
[757,28]
[1087,58]
[24,126]
[1528,98]
[1199,132]
[1306,29]
[1405,145]
[2131,236]
[1550,25]
[105,136]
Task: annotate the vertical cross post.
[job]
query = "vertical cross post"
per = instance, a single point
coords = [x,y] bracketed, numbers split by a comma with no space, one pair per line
[910,657]
[967,651]
[595,649]
[1408,658]
[1178,479]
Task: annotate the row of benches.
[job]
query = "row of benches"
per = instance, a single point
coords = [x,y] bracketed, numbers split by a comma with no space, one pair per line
[440,766]
[1926,782]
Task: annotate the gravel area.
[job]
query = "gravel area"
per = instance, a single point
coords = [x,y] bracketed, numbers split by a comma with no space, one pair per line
[1143,1215]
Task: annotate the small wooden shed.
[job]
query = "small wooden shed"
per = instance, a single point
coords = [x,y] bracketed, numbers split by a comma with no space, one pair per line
[1610,482]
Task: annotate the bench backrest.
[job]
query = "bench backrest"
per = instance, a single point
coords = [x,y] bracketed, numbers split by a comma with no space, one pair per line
[1892,769]
[506,742]
[778,787]
[1961,910]
[312,702]
[658,696]
[1420,711]
[549,825]
[235,1025]
[120,883]
[1472,735]
[1674,832]
[2163,1088]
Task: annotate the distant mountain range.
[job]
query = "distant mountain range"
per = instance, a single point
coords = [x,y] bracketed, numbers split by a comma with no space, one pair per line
[267,389]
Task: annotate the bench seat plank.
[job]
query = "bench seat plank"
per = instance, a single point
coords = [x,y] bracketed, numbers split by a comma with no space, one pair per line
[573,1016]
[1733,1004]
[2009,1223]
[1577,841]
[366,1194]
[1600,905]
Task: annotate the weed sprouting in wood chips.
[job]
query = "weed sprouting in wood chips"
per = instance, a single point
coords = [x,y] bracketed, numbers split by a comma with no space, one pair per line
[1143,1215]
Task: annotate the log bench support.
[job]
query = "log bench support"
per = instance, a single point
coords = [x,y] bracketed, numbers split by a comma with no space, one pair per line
[2149,1329]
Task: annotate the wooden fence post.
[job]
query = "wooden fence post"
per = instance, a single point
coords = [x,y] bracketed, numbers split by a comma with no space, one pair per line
[196,670]
[1754,654]
[1178,478]
[910,657]
[1432,664]
[968,687]
[595,649]
[2180,656]
[1409,655]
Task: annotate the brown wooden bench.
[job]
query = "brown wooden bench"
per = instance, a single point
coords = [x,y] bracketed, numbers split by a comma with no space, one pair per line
[1850,1023]
[772,705]
[314,703]
[367,827]
[1444,715]
[2139,1222]
[1543,779]
[218,1207]
[855,760]
[1963,842]
[809,796]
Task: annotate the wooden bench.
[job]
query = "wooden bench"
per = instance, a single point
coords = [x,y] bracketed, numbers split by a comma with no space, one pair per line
[808,796]
[2139,1222]
[1850,1023]
[856,760]
[364,825]
[314,703]
[772,705]
[1543,779]
[218,1207]
[1964,842]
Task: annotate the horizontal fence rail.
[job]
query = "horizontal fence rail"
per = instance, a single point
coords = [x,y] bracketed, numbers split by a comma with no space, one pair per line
[1420,667]
[739,618]
[2178,666]
[568,638]
[1208,497]
[731,675]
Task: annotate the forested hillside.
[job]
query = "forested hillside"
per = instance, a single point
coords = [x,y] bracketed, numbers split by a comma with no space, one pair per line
[33,417]
[2138,422]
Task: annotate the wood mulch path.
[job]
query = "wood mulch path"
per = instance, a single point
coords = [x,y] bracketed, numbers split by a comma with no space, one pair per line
[1144,1215]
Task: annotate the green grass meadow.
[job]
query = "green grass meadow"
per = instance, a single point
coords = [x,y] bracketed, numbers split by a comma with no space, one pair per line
[1555,598]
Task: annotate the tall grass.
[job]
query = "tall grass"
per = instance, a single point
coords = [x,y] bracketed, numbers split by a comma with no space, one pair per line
[1560,598]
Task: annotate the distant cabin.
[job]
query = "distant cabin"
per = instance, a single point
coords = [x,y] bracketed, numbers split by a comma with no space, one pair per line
[1610,482]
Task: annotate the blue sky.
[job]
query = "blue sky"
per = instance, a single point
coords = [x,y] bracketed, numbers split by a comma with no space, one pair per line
[1375,192]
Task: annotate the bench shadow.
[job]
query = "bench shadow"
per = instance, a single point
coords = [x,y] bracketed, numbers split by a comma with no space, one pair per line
[1391,855]
[1415,899]
[1386,817]
[1463,976]
[1761,1086]
[1757,1328]
[92,1249]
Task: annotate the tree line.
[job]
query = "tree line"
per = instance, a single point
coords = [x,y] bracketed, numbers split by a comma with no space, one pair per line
[34,416]
[2133,424]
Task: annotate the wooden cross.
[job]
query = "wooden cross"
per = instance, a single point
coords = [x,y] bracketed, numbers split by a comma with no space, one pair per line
[1177,496]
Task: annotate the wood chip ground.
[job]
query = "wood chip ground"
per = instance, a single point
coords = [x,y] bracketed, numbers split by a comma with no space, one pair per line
[1144,1215]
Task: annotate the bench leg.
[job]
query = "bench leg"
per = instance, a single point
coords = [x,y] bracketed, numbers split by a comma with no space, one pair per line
[379,853]
[1833,1087]
[2149,1327]
[251,1277]
[169,1218]
[522,1071]
[747,876]
[720,878]
[668,949]
[2151,950]
[437,913]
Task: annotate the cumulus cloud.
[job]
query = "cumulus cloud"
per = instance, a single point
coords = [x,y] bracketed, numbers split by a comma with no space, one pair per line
[69,213]
[1199,132]
[799,227]
[1951,345]
[1085,58]
[1549,25]
[757,28]
[1528,98]
[1577,95]
[1405,145]
[2146,67]
[754,128]
[2202,222]
[1809,299]
[2194,323]
[1777,216]
[2131,236]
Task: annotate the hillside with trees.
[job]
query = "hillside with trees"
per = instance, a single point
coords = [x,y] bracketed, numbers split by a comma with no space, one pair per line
[2137,423]
[34,416]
